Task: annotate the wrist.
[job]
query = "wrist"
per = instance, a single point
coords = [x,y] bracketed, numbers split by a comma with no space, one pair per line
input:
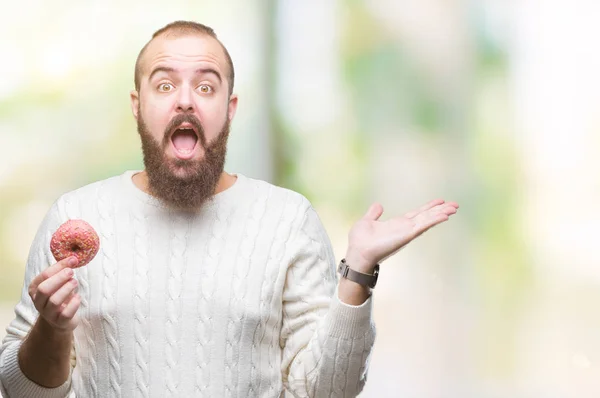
[358,262]
[50,331]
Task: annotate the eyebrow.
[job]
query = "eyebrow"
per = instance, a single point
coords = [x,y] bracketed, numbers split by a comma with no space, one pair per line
[200,71]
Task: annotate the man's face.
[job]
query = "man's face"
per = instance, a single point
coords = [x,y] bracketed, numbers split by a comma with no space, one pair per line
[183,109]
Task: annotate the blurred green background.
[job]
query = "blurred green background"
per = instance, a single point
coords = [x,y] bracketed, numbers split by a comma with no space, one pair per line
[491,103]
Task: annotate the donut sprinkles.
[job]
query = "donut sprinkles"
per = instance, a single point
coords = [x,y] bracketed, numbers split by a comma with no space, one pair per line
[75,238]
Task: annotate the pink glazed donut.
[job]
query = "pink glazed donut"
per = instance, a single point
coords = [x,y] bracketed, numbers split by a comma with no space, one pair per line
[75,238]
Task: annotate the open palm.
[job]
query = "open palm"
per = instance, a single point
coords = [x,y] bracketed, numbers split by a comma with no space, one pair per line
[372,241]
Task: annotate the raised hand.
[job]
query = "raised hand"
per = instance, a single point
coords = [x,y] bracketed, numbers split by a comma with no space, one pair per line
[371,241]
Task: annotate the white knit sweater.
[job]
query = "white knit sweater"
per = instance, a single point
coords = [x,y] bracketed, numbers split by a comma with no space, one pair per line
[238,301]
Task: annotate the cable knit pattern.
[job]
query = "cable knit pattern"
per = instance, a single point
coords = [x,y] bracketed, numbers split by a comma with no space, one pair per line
[281,236]
[176,266]
[205,322]
[107,251]
[239,290]
[238,300]
[140,303]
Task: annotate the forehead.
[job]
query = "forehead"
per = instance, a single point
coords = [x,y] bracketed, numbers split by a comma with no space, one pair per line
[185,51]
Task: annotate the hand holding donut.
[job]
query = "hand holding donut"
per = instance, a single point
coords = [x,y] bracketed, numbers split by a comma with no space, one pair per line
[53,294]
[73,245]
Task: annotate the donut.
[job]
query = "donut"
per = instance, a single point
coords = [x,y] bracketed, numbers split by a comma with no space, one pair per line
[75,238]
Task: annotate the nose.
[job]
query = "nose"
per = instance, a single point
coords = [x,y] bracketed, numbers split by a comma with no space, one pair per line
[185,102]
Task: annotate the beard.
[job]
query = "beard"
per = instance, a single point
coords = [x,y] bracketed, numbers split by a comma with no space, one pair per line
[195,181]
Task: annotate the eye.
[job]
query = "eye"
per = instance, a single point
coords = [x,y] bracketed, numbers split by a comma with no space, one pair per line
[165,87]
[205,88]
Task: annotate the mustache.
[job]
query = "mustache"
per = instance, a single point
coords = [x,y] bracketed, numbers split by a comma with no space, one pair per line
[185,118]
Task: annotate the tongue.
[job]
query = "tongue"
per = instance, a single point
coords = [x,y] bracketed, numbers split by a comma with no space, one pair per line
[184,140]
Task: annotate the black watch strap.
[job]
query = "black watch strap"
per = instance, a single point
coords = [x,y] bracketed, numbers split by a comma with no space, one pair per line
[358,277]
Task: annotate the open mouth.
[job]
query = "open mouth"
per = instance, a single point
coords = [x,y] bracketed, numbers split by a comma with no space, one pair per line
[185,140]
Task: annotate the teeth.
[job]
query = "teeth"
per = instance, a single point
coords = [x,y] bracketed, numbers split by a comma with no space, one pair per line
[184,151]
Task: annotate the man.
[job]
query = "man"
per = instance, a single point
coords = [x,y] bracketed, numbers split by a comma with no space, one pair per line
[206,283]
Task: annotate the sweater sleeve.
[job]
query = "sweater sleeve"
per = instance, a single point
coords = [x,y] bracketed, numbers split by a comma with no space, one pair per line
[326,343]
[13,383]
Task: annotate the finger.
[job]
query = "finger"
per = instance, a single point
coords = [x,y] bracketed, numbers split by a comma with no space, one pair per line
[422,224]
[67,300]
[444,208]
[62,295]
[70,308]
[429,205]
[375,211]
[449,210]
[50,286]
[453,204]
[51,271]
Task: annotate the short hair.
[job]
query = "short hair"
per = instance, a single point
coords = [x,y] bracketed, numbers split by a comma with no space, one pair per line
[180,28]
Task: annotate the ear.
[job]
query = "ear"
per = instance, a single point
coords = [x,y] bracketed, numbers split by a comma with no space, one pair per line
[135,103]
[233,101]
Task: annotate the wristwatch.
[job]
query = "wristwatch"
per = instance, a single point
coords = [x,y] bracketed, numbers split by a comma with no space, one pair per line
[358,277]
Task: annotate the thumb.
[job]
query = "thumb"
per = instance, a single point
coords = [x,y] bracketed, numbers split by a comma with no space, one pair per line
[374,212]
